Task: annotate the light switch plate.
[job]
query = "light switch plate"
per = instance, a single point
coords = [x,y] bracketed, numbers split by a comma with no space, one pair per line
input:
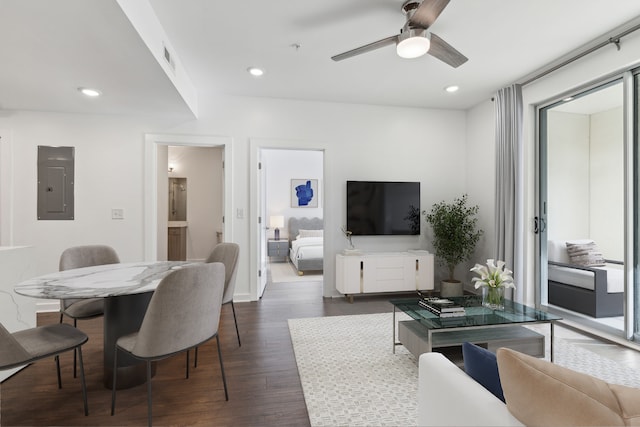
[117,213]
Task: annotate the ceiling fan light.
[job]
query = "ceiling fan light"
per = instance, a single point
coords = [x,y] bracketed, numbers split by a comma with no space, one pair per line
[413,44]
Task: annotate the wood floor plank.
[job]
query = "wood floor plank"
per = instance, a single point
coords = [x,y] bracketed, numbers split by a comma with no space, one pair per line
[262,376]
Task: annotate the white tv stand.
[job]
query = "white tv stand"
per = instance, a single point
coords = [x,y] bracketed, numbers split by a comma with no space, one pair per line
[371,272]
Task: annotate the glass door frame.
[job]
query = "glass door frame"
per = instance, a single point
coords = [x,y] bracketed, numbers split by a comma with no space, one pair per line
[631,175]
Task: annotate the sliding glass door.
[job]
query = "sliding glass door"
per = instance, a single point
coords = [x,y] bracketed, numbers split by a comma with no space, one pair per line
[587,207]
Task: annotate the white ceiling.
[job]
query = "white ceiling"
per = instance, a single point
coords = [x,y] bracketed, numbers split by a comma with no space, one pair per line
[51,47]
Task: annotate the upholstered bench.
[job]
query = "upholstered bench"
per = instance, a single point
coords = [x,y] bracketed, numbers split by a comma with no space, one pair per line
[595,290]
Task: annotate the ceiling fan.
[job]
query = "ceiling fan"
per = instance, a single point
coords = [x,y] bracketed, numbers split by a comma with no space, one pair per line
[414,40]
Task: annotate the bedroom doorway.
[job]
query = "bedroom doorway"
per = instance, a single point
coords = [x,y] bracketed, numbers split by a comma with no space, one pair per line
[291,206]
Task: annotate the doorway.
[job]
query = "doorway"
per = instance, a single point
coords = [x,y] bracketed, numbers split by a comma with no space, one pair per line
[281,253]
[156,190]
[195,205]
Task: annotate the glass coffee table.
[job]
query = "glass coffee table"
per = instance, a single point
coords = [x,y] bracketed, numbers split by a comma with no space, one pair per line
[480,325]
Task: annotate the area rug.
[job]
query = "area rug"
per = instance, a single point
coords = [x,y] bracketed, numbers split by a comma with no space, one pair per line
[350,375]
[286,272]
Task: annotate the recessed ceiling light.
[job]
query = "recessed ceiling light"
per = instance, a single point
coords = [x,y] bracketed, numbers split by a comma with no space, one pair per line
[89,92]
[568,98]
[255,71]
[452,88]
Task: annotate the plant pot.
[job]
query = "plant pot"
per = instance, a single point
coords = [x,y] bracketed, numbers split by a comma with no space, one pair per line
[451,288]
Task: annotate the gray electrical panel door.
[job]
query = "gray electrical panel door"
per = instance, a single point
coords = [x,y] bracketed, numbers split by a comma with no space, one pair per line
[55,182]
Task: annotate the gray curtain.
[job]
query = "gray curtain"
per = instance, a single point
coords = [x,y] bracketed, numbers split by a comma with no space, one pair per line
[509,164]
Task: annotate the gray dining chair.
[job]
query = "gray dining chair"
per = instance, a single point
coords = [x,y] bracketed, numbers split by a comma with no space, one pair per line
[78,257]
[228,254]
[184,312]
[30,345]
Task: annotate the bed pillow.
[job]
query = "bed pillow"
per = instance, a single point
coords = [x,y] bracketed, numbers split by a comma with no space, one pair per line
[310,233]
[585,253]
[482,365]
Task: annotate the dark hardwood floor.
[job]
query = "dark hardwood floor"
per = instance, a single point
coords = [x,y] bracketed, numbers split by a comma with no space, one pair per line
[264,386]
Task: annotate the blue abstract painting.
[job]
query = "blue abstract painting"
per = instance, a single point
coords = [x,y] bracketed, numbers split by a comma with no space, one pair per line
[304,193]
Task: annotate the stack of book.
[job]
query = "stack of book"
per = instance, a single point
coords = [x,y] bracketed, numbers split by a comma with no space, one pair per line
[442,307]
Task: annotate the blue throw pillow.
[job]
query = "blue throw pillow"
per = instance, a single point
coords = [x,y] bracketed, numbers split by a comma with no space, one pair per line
[482,365]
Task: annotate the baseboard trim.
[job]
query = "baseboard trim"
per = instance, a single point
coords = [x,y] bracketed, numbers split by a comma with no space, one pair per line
[48,307]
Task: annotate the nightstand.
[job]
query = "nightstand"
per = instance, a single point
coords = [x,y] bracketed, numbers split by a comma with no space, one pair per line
[278,248]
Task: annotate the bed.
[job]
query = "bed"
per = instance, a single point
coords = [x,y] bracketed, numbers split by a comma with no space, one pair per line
[306,244]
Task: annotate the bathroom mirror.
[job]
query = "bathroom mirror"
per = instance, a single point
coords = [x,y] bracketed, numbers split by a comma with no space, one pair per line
[177,199]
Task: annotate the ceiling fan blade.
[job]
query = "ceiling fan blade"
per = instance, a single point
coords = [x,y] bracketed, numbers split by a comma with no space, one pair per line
[445,52]
[366,48]
[428,11]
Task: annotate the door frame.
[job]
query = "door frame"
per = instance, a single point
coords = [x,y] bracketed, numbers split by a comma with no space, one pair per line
[152,173]
[541,276]
[255,199]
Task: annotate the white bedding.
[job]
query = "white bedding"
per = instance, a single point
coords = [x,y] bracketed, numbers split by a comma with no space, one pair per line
[307,248]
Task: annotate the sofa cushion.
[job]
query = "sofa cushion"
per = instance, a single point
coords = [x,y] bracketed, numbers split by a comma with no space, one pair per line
[538,392]
[585,254]
[482,365]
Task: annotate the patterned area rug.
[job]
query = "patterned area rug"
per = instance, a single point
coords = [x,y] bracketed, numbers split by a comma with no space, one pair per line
[350,375]
[286,272]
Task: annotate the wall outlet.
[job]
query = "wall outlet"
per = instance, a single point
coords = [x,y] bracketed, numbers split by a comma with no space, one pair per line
[117,213]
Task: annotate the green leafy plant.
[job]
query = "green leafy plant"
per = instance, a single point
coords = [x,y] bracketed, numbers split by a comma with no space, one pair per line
[455,231]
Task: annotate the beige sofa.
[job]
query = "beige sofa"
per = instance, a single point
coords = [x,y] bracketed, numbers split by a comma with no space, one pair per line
[537,393]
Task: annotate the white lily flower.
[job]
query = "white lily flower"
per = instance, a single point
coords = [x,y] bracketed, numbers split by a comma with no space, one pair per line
[494,275]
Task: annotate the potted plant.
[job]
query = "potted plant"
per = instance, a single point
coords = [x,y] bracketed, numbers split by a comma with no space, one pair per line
[455,235]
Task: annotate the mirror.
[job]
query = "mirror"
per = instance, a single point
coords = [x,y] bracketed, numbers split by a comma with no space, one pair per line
[177,199]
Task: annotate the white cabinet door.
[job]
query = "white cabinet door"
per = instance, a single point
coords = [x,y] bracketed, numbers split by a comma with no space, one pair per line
[349,274]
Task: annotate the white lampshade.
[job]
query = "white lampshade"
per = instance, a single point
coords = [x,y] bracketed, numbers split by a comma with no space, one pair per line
[276,221]
[413,43]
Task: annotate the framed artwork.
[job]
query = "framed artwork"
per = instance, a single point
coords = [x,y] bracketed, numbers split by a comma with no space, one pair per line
[304,193]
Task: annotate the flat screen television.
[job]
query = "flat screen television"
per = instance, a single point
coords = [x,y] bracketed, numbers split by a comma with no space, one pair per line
[376,208]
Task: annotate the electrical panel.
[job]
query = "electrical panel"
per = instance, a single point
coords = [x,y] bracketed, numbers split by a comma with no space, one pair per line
[55,183]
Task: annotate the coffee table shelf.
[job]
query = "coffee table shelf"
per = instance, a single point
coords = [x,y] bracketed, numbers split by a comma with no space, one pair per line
[490,328]
[416,339]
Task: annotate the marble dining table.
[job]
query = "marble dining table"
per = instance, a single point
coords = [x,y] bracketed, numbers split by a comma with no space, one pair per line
[126,288]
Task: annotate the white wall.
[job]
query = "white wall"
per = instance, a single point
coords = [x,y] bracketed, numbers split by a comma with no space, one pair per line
[607,195]
[109,174]
[281,166]
[568,177]
[584,71]
[480,182]
[360,142]
[585,179]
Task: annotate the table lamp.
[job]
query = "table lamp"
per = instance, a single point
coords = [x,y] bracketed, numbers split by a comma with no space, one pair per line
[277,222]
